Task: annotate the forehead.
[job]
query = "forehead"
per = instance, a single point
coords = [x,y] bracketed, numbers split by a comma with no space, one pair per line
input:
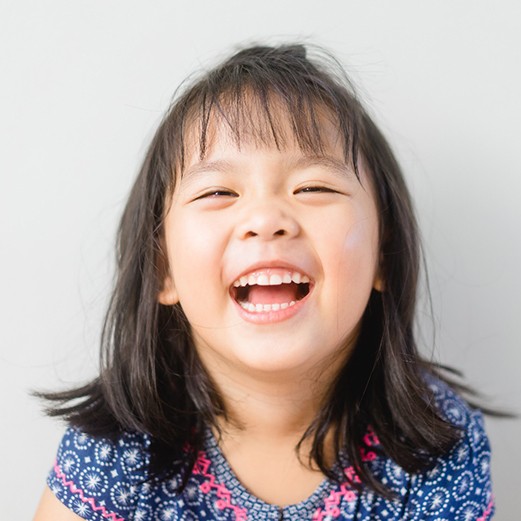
[265,124]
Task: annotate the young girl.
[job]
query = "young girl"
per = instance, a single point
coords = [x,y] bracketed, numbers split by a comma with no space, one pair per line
[259,360]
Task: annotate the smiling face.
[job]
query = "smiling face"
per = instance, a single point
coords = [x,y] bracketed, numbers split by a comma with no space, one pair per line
[272,254]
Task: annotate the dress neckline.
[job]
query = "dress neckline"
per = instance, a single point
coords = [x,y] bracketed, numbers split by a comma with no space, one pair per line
[225,475]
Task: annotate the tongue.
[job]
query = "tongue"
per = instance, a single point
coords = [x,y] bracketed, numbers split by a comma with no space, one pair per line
[272,294]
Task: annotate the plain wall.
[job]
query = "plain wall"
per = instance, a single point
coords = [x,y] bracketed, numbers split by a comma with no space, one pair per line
[83,87]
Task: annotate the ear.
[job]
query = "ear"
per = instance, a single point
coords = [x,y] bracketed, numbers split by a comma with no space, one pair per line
[378,284]
[168,295]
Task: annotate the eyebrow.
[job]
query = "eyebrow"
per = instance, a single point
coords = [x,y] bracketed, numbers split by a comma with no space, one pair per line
[204,167]
[335,166]
[339,168]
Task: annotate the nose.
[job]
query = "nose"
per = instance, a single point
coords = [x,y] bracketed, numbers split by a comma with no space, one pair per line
[267,221]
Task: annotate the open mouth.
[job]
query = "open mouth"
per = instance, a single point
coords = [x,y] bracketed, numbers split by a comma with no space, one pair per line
[270,290]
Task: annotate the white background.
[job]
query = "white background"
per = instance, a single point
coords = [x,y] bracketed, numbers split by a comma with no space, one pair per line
[82,87]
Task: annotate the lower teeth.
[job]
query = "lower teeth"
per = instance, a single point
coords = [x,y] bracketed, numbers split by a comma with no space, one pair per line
[258,308]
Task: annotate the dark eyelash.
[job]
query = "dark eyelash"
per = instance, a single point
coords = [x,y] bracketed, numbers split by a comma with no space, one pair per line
[217,193]
[312,189]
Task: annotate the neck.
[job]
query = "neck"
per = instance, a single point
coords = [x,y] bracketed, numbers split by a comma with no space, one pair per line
[270,405]
[276,409]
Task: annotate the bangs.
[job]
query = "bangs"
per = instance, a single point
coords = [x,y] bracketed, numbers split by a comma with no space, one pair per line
[266,119]
[285,101]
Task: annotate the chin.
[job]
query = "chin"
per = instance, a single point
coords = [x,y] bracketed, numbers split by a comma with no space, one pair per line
[276,361]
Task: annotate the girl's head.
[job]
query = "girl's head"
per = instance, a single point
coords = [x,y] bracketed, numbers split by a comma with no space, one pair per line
[264,286]
[269,111]
[268,166]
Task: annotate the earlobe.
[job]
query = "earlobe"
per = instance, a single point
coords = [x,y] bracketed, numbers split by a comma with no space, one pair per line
[378,284]
[378,281]
[168,295]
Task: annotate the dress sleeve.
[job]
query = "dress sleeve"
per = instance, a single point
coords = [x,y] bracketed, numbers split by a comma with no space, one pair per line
[459,486]
[98,478]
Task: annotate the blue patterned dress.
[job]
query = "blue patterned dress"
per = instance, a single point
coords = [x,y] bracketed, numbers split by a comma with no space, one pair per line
[101,480]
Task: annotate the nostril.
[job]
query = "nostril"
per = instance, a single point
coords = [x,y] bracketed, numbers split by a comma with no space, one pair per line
[278,233]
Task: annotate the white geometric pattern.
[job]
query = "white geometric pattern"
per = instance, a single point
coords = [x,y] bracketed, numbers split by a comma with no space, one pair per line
[101,480]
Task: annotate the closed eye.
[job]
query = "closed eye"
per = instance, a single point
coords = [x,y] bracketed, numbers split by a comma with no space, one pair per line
[314,189]
[216,193]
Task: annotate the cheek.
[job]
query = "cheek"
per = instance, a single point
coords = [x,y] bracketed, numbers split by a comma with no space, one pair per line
[353,243]
[189,239]
[361,239]
[352,255]
[194,254]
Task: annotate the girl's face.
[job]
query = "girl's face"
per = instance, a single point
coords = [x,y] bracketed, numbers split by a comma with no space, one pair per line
[272,255]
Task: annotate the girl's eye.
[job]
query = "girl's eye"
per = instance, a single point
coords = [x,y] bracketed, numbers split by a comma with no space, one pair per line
[314,189]
[216,193]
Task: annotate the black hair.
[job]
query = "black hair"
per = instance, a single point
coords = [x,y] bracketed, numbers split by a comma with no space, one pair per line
[151,378]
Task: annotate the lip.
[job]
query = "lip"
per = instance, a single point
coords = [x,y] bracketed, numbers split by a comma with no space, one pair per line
[272,316]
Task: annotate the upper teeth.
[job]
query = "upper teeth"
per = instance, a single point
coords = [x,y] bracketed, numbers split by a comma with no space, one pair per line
[263,279]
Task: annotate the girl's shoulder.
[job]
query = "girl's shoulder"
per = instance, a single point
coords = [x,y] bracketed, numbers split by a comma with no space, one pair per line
[98,477]
[451,405]
[458,484]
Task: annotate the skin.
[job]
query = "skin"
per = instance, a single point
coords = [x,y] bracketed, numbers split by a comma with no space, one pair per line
[238,211]
[52,509]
